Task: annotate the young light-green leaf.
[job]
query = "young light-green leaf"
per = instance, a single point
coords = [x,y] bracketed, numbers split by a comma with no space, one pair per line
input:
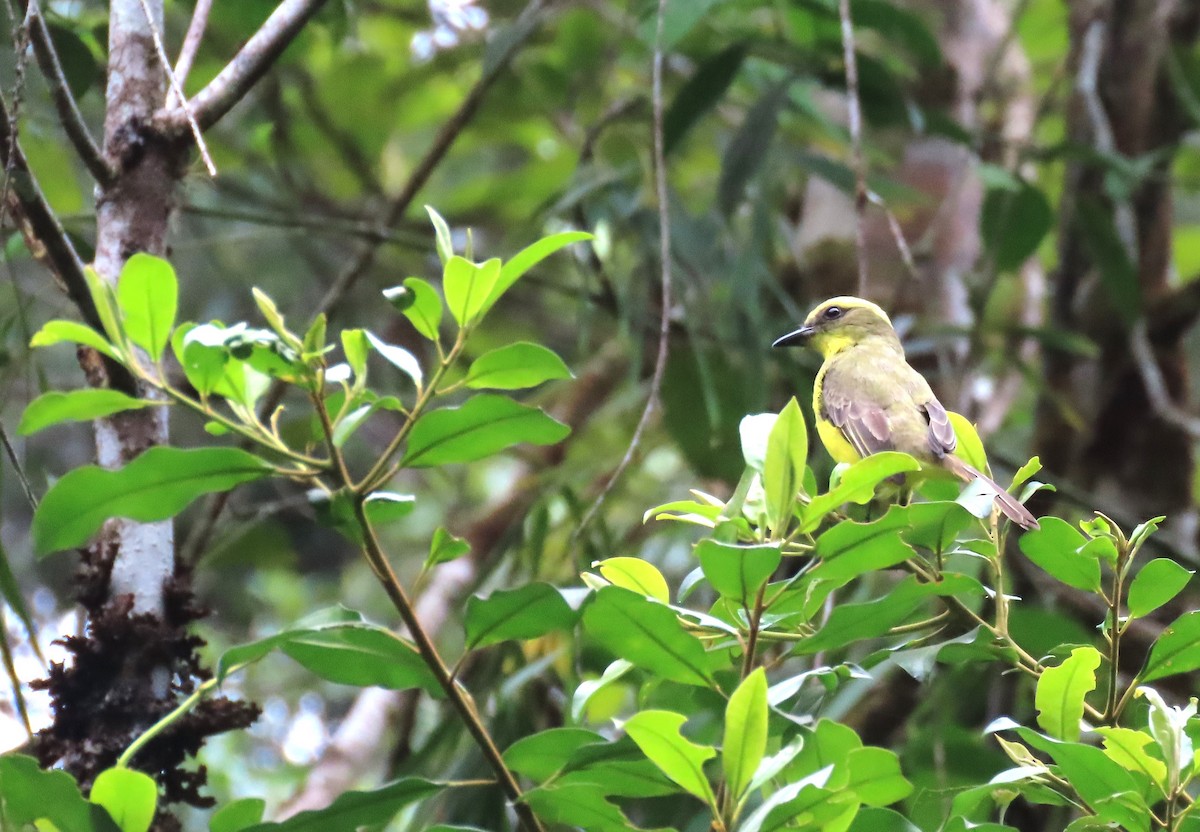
[73,332]
[657,734]
[745,740]
[238,815]
[636,575]
[400,358]
[130,797]
[1058,548]
[156,485]
[1155,584]
[783,469]
[148,296]
[80,405]
[526,612]
[516,366]
[484,425]
[527,258]
[444,548]
[425,310]
[875,776]
[445,243]
[1061,691]
[467,286]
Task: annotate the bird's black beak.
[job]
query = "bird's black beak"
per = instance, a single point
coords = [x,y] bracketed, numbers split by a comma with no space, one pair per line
[797,338]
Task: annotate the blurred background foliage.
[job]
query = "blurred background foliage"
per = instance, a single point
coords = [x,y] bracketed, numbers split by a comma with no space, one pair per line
[1047,185]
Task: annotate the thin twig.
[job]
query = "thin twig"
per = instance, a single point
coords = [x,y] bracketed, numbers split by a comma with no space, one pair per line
[1156,386]
[664,253]
[854,121]
[241,74]
[187,52]
[177,90]
[18,467]
[64,102]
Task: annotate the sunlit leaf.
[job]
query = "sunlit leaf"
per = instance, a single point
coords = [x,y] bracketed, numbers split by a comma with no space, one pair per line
[1061,690]
[79,405]
[130,797]
[745,740]
[484,425]
[526,612]
[148,295]
[657,734]
[1058,548]
[516,366]
[73,332]
[636,575]
[1155,584]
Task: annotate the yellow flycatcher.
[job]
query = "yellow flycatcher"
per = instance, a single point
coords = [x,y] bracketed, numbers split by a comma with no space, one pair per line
[868,399]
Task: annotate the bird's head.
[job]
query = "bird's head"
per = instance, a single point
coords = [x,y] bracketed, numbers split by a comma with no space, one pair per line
[839,323]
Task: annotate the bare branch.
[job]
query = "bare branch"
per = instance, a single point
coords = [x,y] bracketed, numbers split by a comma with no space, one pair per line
[68,110]
[1156,386]
[664,253]
[187,53]
[854,120]
[240,74]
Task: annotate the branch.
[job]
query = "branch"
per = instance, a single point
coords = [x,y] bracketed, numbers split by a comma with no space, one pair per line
[68,110]
[664,253]
[854,120]
[187,53]
[241,74]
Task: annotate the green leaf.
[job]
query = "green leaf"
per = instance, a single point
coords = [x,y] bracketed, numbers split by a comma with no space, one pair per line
[10,591]
[858,484]
[1061,691]
[527,612]
[361,655]
[75,406]
[657,734]
[105,300]
[636,575]
[1118,275]
[31,795]
[578,804]
[467,286]
[647,634]
[850,549]
[589,688]
[875,776]
[274,319]
[783,468]
[444,548]
[1155,584]
[485,425]
[445,242]
[700,93]
[1127,748]
[872,819]
[352,810]
[515,367]
[128,796]
[745,740]
[1176,650]
[527,258]
[425,310]
[970,446]
[678,20]
[148,295]
[156,485]
[1058,548]
[804,800]
[738,572]
[540,756]
[72,332]
[1013,223]
[384,507]
[400,358]
[354,345]
[747,150]
[238,815]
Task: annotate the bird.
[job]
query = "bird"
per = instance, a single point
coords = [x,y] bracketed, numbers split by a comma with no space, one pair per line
[867,398]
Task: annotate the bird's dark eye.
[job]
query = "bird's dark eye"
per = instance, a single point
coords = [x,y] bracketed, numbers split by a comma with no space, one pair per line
[832,313]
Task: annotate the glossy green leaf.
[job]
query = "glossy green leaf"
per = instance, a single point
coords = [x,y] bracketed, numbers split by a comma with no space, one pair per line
[578,804]
[79,405]
[745,740]
[516,366]
[425,311]
[647,634]
[872,819]
[130,797]
[484,425]
[72,332]
[526,612]
[156,485]
[1128,748]
[636,575]
[738,572]
[657,734]
[851,549]
[238,815]
[352,810]
[31,795]
[1057,548]
[858,484]
[361,655]
[467,286]
[805,800]
[783,468]
[148,295]
[384,507]
[1155,584]
[1176,650]
[875,776]
[1061,691]
[539,756]
[525,259]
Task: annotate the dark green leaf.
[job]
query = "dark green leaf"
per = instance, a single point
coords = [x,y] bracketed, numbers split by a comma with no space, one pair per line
[540,756]
[30,794]
[701,93]
[858,484]
[737,572]
[647,634]
[75,406]
[130,797]
[78,63]
[483,426]
[352,810]
[578,804]
[361,655]
[1059,549]
[747,150]
[515,367]
[1155,584]
[10,591]
[850,549]
[156,485]
[526,612]
[148,295]
[1117,274]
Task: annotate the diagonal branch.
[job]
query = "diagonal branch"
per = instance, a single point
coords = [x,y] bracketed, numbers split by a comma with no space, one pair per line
[191,45]
[854,120]
[68,110]
[247,67]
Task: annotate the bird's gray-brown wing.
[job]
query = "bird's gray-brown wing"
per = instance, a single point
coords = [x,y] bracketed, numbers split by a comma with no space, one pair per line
[864,424]
[941,433]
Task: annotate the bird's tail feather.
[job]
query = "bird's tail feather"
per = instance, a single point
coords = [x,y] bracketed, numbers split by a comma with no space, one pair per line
[1009,504]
